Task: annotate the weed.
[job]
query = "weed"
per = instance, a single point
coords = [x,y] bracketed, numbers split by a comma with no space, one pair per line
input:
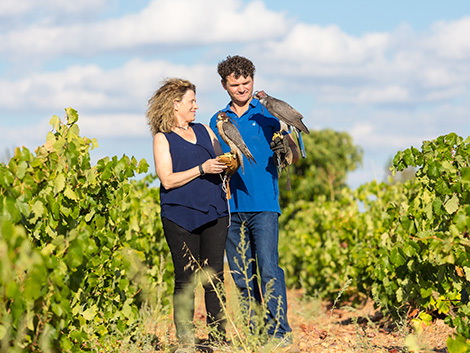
[247,325]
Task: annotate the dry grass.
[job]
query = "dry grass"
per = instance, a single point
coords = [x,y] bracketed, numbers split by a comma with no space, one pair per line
[317,327]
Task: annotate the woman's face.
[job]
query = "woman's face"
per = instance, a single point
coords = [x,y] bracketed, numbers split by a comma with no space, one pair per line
[185,110]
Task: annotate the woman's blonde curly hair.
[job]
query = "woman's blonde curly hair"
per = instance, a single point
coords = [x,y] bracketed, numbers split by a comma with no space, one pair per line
[161,113]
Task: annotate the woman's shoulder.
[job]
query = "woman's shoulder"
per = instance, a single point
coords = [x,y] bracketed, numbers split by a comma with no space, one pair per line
[207,128]
[200,127]
[160,138]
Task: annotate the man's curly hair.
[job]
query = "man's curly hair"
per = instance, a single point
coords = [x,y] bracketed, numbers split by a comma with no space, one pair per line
[236,65]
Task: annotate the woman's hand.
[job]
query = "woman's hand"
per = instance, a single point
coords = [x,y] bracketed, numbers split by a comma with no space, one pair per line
[213,166]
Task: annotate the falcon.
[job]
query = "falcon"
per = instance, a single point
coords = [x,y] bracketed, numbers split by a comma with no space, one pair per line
[288,116]
[231,136]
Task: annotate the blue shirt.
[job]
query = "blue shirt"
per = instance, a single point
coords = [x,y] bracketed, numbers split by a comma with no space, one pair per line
[256,189]
[202,200]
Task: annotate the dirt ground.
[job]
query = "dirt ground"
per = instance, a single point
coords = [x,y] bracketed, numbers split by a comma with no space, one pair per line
[319,328]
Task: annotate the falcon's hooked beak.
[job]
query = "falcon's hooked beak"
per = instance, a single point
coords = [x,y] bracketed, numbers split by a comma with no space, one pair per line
[259,94]
[221,116]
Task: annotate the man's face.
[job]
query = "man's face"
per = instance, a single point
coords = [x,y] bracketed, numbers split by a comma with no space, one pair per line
[239,89]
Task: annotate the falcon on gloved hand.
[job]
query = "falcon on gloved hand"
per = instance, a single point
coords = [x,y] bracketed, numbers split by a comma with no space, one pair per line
[231,136]
[231,161]
[288,116]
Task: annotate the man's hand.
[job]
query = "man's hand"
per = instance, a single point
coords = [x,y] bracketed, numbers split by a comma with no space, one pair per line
[277,144]
[280,146]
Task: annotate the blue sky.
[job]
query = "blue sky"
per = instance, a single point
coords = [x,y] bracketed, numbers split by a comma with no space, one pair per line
[391,74]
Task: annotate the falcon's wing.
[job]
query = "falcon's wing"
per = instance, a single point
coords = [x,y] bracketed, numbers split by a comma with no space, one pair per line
[283,111]
[233,135]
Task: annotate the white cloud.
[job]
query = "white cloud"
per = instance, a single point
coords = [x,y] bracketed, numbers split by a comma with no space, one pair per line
[383,94]
[94,88]
[450,40]
[173,23]
[113,125]
[15,8]
[25,12]
[24,134]
[314,45]
[400,67]
[376,68]
[388,90]
[389,131]
[372,136]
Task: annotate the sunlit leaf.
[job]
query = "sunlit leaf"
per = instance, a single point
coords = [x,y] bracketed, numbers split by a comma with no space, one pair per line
[452,204]
[88,314]
[72,116]
[457,344]
[55,122]
[70,193]
[59,183]
[37,209]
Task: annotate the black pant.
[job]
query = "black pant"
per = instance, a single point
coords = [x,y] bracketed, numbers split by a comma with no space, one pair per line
[205,245]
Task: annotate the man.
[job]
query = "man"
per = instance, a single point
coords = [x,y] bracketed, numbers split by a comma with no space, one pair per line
[254,204]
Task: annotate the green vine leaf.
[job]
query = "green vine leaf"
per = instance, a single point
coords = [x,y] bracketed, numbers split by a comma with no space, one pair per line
[55,122]
[458,344]
[452,205]
[72,116]
[59,183]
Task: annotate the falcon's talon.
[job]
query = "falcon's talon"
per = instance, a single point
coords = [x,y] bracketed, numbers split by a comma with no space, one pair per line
[276,135]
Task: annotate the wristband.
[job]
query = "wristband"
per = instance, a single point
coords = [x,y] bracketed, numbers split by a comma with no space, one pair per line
[201,171]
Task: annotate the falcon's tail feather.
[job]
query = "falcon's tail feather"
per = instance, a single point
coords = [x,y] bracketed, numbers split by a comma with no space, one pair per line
[250,158]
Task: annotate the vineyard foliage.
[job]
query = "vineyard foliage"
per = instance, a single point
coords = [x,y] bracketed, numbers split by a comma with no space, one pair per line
[81,246]
[331,155]
[82,250]
[406,245]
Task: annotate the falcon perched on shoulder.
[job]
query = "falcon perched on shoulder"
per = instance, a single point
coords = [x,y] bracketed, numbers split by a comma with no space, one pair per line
[288,116]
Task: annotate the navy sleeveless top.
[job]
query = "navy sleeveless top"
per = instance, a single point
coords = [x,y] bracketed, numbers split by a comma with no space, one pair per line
[202,200]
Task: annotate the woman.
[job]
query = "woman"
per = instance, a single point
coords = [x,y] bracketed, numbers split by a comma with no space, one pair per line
[193,205]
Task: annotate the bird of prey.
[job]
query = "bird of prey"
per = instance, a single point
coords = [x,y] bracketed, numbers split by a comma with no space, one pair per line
[231,136]
[288,116]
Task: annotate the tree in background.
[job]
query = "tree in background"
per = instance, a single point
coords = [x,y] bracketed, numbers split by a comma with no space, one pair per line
[331,155]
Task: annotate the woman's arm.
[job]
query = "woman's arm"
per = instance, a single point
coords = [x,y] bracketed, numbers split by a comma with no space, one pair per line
[164,165]
[215,141]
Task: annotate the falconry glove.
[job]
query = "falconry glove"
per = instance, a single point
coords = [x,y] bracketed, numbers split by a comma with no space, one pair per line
[231,161]
[280,146]
[277,144]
